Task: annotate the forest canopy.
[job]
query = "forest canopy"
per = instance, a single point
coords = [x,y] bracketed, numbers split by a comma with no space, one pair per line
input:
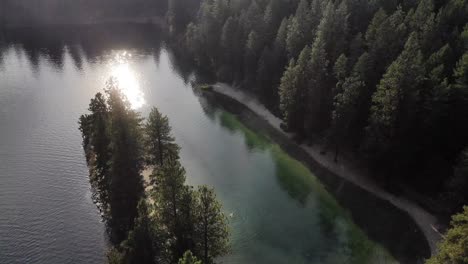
[384,80]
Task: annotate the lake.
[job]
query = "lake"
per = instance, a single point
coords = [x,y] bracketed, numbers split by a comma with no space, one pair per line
[280,210]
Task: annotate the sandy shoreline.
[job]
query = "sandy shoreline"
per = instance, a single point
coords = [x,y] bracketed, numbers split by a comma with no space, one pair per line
[344,168]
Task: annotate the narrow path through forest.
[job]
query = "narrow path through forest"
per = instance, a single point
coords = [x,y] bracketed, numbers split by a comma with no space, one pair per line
[344,168]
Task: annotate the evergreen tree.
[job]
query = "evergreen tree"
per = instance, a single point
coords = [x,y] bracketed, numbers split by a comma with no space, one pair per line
[231,54]
[293,93]
[281,36]
[356,48]
[457,184]
[96,141]
[144,242]
[252,50]
[115,257]
[345,111]
[458,102]
[319,91]
[271,19]
[159,141]
[180,13]
[211,229]
[169,191]
[333,30]
[385,37]
[279,62]
[396,101]
[288,93]
[194,44]
[126,187]
[267,90]
[453,248]
[253,19]
[340,70]
[299,30]
[189,258]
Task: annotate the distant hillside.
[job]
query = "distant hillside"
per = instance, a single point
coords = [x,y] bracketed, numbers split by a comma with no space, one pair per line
[28,12]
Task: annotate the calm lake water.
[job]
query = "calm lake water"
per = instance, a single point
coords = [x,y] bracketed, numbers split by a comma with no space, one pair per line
[280,211]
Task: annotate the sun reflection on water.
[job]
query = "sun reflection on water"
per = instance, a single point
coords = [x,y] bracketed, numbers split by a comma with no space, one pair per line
[127,79]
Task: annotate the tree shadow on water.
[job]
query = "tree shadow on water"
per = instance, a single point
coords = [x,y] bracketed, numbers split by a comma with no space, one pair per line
[82,42]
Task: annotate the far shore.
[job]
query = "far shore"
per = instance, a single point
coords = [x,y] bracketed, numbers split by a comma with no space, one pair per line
[150,20]
[344,168]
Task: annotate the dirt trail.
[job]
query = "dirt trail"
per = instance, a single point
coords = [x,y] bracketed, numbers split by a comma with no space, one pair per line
[344,168]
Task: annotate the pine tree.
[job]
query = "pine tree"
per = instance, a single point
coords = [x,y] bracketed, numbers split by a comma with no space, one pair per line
[253,19]
[229,38]
[126,187]
[232,50]
[267,90]
[356,48]
[293,93]
[211,228]
[299,30]
[271,20]
[281,36]
[144,242]
[340,70]
[458,102]
[189,258]
[288,91]
[385,37]
[333,30]
[394,104]
[319,91]
[345,111]
[453,248]
[280,60]
[96,141]
[159,141]
[169,192]
[252,49]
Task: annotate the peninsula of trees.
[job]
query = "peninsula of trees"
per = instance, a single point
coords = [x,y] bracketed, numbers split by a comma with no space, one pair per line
[157,220]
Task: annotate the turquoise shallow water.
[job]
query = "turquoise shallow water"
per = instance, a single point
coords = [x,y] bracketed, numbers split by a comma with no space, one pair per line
[279,211]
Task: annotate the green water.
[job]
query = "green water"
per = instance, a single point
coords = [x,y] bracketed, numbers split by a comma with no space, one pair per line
[319,230]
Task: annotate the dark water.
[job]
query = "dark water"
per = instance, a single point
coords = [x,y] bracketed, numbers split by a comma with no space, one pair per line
[280,212]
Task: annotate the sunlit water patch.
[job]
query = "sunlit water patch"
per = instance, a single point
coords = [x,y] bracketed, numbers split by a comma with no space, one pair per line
[127,79]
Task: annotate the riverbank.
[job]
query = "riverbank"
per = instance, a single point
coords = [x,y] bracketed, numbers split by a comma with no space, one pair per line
[345,168]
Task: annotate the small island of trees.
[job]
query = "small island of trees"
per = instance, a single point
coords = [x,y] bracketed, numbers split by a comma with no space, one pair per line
[155,220]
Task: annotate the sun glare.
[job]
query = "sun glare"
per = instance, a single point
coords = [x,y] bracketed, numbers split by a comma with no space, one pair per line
[127,80]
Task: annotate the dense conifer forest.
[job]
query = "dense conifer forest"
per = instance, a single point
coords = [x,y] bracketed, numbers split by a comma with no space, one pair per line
[386,81]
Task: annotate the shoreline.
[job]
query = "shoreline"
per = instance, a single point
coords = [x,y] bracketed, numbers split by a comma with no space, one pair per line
[345,169]
[150,20]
